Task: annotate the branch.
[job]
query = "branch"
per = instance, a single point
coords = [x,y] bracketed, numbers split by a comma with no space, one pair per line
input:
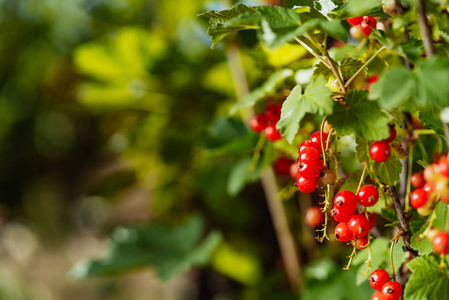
[406,233]
[425,29]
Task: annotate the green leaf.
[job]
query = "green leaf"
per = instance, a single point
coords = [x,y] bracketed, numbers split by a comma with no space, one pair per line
[361,117]
[325,6]
[428,280]
[171,250]
[316,100]
[267,88]
[349,67]
[362,149]
[389,171]
[352,183]
[222,23]
[389,215]
[431,119]
[413,49]
[399,87]
[322,70]
[356,8]
[441,213]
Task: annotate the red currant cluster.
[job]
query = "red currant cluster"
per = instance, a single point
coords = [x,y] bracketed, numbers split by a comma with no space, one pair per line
[267,122]
[311,165]
[380,151]
[385,289]
[365,23]
[352,225]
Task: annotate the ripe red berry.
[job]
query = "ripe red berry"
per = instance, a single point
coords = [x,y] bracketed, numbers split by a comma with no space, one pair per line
[282,166]
[272,133]
[429,187]
[273,112]
[372,79]
[371,219]
[391,291]
[309,169]
[441,243]
[355,20]
[368,195]
[378,278]
[392,135]
[306,144]
[258,122]
[380,151]
[313,216]
[341,217]
[315,138]
[309,153]
[343,233]
[362,242]
[306,185]
[417,180]
[359,225]
[367,23]
[294,170]
[377,296]
[444,166]
[418,198]
[346,202]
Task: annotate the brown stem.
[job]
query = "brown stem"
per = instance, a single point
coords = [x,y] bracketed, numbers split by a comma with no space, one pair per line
[271,190]
[426,31]
[335,72]
[403,222]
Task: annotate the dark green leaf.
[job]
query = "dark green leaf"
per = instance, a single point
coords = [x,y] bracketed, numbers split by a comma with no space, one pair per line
[267,88]
[352,182]
[389,215]
[432,119]
[322,70]
[171,250]
[316,100]
[356,8]
[361,117]
[413,49]
[349,67]
[428,280]
[389,171]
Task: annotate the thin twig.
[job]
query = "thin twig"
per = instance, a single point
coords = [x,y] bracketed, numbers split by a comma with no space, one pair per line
[425,29]
[348,83]
[312,52]
[406,233]
[335,72]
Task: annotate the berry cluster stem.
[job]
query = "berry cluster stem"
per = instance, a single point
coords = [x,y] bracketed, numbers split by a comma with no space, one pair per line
[324,210]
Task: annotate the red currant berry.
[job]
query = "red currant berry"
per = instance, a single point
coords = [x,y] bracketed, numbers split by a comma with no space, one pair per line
[391,291]
[282,166]
[417,180]
[377,296]
[341,217]
[308,154]
[306,185]
[441,243]
[309,169]
[378,278]
[346,202]
[367,23]
[372,79]
[315,138]
[368,195]
[418,198]
[362,242]
[371,219]
[258,122]
[429,188]
[355,20]
[313,216]
[380,151]
[359,225]
[444,166]
[307,144]
[272,133]
[342,233]
[294,170]
[273,112]
[392,135]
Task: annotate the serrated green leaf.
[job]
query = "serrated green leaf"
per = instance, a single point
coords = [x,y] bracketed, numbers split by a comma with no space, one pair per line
[228,14]
[362,149]
[349,67]
[265,89]
[316,100]
[325,6]
[431,119]
[389,171]
[360,116]
[423,245]
[356,8]
[352,182]
[400,87]
[322,70]
[428,280]
[413,49]
[171,250]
